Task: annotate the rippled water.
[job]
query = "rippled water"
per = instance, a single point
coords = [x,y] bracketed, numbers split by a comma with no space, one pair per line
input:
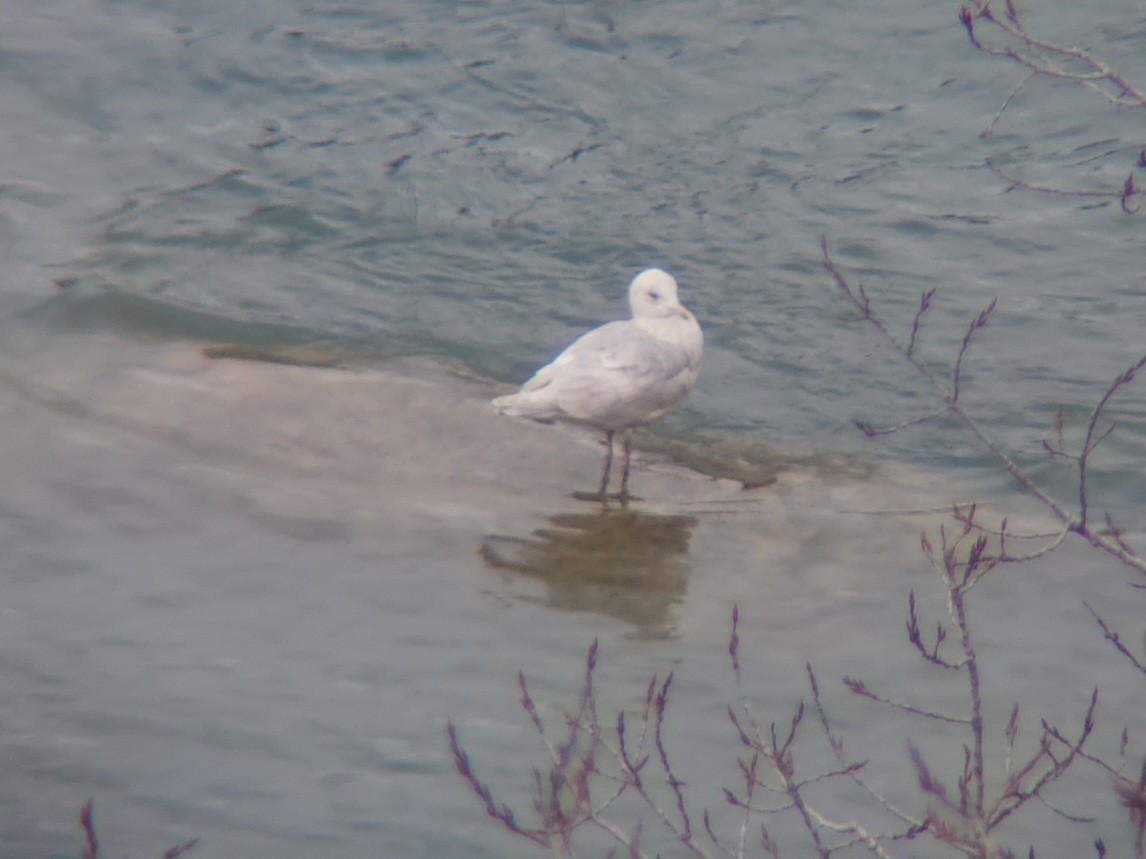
[479,181]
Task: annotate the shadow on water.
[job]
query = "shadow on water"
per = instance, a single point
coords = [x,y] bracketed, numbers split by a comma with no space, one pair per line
[621,563]
[86,307]
[89,305]
[82,307]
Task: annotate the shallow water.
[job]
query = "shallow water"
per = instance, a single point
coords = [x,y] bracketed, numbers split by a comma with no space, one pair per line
[243,598]
[215,636]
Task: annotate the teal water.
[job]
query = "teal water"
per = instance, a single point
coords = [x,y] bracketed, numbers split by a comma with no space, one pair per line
[479,181]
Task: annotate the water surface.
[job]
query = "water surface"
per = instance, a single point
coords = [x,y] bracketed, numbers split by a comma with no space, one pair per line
[214,626]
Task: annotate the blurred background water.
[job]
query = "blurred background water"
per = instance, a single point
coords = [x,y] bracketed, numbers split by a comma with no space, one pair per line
[479,181]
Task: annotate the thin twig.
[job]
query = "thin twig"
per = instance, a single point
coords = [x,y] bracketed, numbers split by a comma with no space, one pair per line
[1116,640]
[1045,58]
[1076,523]
[859,688]
[837,745]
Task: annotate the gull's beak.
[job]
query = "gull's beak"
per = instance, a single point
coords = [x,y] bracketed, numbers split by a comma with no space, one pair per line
[683,313]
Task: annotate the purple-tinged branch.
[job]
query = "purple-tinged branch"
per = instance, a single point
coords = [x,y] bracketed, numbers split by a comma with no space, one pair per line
[958,607]
[675,784]
[528,706]
[1115,534]
[1116,640]
[734,643]
[927,782]
[1017,795]
[180,849]
[924,304]
[859,688]
[1093,439]
[1069,520]
[1052,60]
[1044,58]
[1058,812]
[91,843]
[872,431]
[1011,733]
[978,323]
[852,771]
[1128,196]
[87,823]
[915,636]
[503,814]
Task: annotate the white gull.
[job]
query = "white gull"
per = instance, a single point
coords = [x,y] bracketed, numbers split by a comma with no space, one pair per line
[622,375]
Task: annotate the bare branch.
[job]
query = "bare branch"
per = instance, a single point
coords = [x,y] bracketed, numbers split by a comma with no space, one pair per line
[977,324]
[87,823]
[1017,795]
[675,784]
[1116,640]
[1092,440]
[1046,58]
[503,814]
[1128,195]
[858,688]
[1071,522]
[872,431]
[837,745]
[924,304]
[915,636]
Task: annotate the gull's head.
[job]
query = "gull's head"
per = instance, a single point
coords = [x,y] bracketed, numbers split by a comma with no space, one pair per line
[653,294]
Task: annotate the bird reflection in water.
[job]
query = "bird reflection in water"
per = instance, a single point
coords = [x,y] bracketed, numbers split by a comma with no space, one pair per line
[621,563]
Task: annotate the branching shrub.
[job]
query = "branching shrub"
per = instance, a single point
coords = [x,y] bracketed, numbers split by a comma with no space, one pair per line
[998,30]
[91,843]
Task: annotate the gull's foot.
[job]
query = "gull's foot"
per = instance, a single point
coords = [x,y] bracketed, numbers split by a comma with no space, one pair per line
[605,497]
[599,497]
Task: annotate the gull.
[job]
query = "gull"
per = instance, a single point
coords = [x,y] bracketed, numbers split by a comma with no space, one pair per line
[621,375]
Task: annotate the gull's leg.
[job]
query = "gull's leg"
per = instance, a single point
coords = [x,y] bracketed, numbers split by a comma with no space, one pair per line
[600,494]
[627,446]
[608,463]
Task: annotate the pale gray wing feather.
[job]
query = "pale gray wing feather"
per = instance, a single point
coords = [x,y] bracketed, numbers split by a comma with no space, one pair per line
[619,352]
[615,375]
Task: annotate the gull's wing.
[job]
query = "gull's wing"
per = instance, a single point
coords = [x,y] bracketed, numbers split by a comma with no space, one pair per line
[614,376]
[619,352]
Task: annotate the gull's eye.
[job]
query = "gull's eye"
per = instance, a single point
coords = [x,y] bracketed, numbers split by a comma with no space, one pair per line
[654,295]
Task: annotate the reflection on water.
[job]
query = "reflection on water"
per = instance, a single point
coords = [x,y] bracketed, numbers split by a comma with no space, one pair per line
[747,458]
[622,563]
